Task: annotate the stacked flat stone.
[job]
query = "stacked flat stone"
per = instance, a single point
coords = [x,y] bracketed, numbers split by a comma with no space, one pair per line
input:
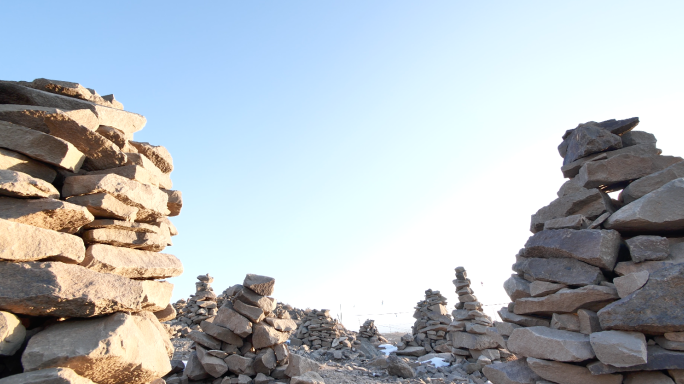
[472,334]
[244,342]
[368,329]
[296,314]
[598,291]
[318,330]
[199,307]
[432,322]
[83,218]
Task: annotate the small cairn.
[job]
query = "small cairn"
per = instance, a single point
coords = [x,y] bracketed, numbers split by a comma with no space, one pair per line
[319,330]
[199,307]
[432,322]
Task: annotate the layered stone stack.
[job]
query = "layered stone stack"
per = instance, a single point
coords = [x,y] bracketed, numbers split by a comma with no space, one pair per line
[244,341]
[199,307]
[318,330]
[83,218]
[432,322]
[296,314]
[599,286]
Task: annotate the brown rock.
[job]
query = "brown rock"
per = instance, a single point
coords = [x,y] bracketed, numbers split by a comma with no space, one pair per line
[563,271]
[114,135]
[131,263]
[590,203]
[525,321]
[122,225]
[175,202]
[21,242]
[166,314]
[592,297]
[282,325]
[511,372]
[67,88]
[19,184]
[108,350]
[265,361]
[262,285]
[563,373]
[240,365]
[551,344]
[588,321]
[543,288]
[265,336]
[565,322]
[592,246]
[12,334]
[229,318]
[214,366]
[157,154]
[164,179]
[300,365]
[246,295]
[126,239]
[647,378]
[105,205]
[254,314]
[627,284]
[622,168]
[13,161]
[133,172]
[46,213]
[618,348]
[47,376]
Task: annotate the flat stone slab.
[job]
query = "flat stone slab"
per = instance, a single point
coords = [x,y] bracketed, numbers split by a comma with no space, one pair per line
[472,341]
[572,170]
[126,239]
[596,247]
[550,344]
[132,172]
[655,308]
[590,203]
[159,155]
[658,359]
[40,146]
[104,205]
[164,179]
[628,284]
[563,373]
[175,202]
[264,336]
[622,168]
[588,139]
[511,372]
[118,348]
[262,285]
[14,161]
[525,321]
[122,225]
[563,271]
[19,184]
[22,242]
[517,287]
[567,300]
[650,183]
[45,213]
[131,263]
[619,348]
[66,290]
[543,288]
[12,334]
[648,248]
[67,88]
[47,376]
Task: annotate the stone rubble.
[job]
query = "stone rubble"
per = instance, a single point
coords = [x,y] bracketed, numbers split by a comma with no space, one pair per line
[318,330]
[82,290]
[597,293]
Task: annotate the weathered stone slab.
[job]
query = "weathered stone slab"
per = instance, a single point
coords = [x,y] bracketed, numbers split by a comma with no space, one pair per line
[22,242]
[131,263]
[647,378]
[511,372]
[122,225]
[590,203]
[229,318]
[550,344]
[13,161]
[570,222]
[114,135]
[525,321]
[637,137]
[267,304]
[622,168]
[254,314]
[166,314]
[40,146]
[588,321]
[164,179]
[108,350]
[563,373]
[300,365]
[265,361]
[214,366]
[628,284]
[46,213]
[175,202]
[159,155]
[592,246]
[565,322]
[12,334]
[150,201]
[660,211]
[66,290]
[645,248]
[47,376]
[588,139]
[105,205]
[70,89]
[133,172]
[563,271]
[655,308]
[265,336]
[204,339]
[618,348]
[127,239]
[19,184]
[282,325]
[592,297]
[669,344]
[570,186]
[650,183]
[194,369]
[543,288]
[571,170]
[658,359]
[472,341]
[412,351]
[240,365]
[517,287]
[262,285]
[221,333]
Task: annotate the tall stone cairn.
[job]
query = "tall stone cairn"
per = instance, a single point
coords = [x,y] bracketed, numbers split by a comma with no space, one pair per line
[472,335]
[432,322]
[200,306]
[598,289]
[244,342]
[83,220]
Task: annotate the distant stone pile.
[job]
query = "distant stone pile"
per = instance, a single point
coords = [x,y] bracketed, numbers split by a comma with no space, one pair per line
[599,286]
[318,330]
[244,342]
[83,218]
[199,307]
[369,330]
[296,314]
[432,322]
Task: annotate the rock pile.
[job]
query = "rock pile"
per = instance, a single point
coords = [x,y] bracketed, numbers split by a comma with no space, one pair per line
[83,218]
[296,314]
[200,306]
[244,341]
[319,330]
[432,322]
[368,329]
[599,286]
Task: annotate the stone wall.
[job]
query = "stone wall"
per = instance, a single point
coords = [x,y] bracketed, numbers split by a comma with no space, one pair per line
[83,221]
[598,289]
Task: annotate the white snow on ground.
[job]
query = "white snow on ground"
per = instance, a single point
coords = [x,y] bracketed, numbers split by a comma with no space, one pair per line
[437,362]
[387,348]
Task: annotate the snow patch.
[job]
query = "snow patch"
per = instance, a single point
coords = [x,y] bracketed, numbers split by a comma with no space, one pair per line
[388,348]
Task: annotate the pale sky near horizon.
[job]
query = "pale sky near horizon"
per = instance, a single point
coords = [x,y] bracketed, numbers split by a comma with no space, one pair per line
[359,151]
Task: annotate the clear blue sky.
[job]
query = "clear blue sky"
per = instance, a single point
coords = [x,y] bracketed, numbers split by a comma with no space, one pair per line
[358,151]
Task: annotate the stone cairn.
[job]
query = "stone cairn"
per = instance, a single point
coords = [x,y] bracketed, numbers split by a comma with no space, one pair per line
[318,330]
[199,307]
[369,330]
[244,342]
[432,322]
[598,292]
[83,218]
[470,322]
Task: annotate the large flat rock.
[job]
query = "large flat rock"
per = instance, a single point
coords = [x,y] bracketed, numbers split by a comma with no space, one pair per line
[553,344]
[262,285]
[511,372]
[164,179]
[588,139]
[571,170]
[655,308]
[133,172]
[229,318]
[517,287]
[592,246]
[563,271]
[66,290]
[40,146]
[159,155]
[650,183]
[618,169]
[150,201]
[68,88]
[56,215]
[19,184]
[591,297]
[127,239]
[590,203]
[131,263]
[22,242]
[524,321]
[658,359]
[114,349]
[657,212]
[104,205]
[619,348]
[472,341]
[264,336]
[47,376]
[14,161]
[563,373]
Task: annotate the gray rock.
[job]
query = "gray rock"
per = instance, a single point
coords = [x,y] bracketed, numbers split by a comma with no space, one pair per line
[628,284]
[647,378]
[658,359]
[511,372]
[619,348]
[563,373]
[265,336]
[563,271]
[569,187]
[572,169]
[221,333]
[655,308]
[592,246]
[265,361]
[254,314]
[677,375]
[588,139]
[300,365]
[517,287]
[234,321]
[398,367]
[45,213]
[202,338]
[570,222]
[194,369]
[19,184]
[240,365]
[471,341]
[669,344]
[47,376]
[637,137]
[12,334]
[214,366]
[650,183]
[590,203]
[645,248]
[565,322]
[588,321]
[619,127]
[543,288]
[524,321]
[23,242]
[592,297]
[618,169]
[13,161]
[412,351]
[262,285]
[550,344]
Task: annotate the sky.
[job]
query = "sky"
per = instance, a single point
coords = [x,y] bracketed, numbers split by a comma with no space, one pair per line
[359,151]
